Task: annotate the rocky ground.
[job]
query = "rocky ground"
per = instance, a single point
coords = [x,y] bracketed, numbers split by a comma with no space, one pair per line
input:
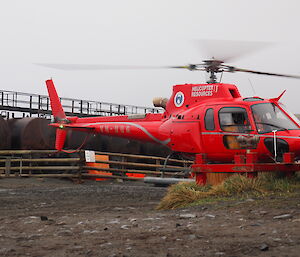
[50,217]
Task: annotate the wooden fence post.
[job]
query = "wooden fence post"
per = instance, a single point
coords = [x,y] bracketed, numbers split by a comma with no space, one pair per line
[30,164]
[81,163]
[157,162]
[21,166]
[7,166]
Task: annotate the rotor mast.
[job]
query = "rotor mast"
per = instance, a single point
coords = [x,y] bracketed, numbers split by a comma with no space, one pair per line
[212,67]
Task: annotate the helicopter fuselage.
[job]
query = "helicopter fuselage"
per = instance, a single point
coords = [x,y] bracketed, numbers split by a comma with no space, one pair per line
[211,119]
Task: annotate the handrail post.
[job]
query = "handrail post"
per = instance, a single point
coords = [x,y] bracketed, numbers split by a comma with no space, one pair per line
[72,106]
[30,106]
[39,102]
[47,103]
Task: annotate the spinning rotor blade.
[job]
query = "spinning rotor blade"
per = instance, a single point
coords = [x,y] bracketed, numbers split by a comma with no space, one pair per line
[190,67]
[114,67]
[219,51]
[205,66]
[233,69]
[97,66]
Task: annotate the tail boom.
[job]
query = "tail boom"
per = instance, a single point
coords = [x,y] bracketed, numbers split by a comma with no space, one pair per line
[145,127]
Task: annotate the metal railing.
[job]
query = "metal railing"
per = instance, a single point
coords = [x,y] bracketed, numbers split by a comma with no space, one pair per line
[40,105]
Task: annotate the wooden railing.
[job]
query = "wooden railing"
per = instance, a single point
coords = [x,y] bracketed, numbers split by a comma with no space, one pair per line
[50,163]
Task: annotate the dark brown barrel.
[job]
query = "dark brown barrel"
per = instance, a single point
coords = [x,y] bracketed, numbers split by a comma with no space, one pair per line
[97,142]
[4,134]
[148,148]
[103,143]
[32,133]
[82,140]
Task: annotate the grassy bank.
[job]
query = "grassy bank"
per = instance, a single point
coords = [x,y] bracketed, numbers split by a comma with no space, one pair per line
[186,194]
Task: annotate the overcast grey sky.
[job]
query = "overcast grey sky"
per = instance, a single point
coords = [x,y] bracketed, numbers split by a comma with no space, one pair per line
[137,32]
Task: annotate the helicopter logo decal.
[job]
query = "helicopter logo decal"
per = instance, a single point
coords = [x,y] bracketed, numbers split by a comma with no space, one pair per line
[179,99]
[204,90]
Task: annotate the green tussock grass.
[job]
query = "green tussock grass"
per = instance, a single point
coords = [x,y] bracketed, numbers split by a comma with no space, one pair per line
[186,194]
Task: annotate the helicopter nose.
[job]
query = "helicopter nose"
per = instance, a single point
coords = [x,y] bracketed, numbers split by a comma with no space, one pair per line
[285,142]
[295,147]
[293,141]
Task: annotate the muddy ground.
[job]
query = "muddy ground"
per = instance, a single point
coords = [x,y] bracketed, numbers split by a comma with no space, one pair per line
[53,217]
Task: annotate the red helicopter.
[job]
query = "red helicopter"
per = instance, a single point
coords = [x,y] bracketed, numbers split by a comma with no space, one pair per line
[212,123]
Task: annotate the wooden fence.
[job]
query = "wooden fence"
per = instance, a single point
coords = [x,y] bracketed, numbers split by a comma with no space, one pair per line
[50,163]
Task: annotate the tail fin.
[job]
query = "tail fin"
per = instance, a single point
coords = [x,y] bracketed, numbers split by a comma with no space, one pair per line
[58,113]
[57,109]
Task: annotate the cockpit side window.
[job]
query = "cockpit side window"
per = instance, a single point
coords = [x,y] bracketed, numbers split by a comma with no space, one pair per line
[234,119]
[209,119]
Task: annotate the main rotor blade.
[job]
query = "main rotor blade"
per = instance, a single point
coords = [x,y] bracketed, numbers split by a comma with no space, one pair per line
[227,50]
[233,69]
[71,67]
[190,67]
[98,66]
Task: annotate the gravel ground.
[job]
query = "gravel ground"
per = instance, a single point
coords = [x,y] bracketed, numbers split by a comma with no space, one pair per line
[52,217]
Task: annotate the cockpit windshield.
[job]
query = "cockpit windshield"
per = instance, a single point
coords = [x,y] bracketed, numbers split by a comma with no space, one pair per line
[269,117]
[292,115]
